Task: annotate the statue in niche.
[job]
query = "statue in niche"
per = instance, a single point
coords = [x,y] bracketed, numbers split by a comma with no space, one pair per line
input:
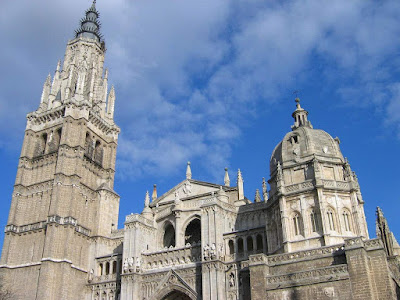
[213,251]
[206,251]
[137,263]
[126,265]
[91,275]
[232,280]
[130,263]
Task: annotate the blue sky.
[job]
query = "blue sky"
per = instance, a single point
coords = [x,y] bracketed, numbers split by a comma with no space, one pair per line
[212,82]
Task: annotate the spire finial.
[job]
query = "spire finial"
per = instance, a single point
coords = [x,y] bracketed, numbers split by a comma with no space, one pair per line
[264,189]
[257,197]
[188,171]
[154,195]
[90,25]
[300,115]
[227,181]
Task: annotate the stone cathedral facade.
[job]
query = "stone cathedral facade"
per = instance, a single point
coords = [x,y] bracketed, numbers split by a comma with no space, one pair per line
[305,237]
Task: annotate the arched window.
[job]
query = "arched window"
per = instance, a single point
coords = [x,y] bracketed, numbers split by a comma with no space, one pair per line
[331,219]
[107,268]
[88,146]
[240,246]
[169,236]
[100,269]
[250,246]
[42,143]
[313,221]
[98,153]
[231,247]
[58,136]
[346,220]
[193,232]
[296,221]
[114,267]
[259,241]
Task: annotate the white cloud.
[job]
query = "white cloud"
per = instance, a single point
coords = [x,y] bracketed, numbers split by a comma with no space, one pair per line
[190,75]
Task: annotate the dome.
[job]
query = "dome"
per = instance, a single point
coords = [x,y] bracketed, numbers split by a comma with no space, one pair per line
[304,143]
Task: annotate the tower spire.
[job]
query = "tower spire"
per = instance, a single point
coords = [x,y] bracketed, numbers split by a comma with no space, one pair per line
[90,25]
[300,116]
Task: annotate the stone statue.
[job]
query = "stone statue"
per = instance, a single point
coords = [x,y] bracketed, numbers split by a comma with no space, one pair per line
[206,250]
[213,251]
[232,280]
[177,198]
[130,263]
[126,265]
[91,275]
[187,188]
[137,263]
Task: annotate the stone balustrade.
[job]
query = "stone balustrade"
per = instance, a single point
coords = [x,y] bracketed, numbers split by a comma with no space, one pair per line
[172,257]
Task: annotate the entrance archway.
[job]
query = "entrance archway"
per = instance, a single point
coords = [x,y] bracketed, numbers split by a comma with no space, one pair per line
[176,295]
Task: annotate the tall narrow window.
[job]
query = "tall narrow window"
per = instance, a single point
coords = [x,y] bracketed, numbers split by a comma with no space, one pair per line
[231,247]
[88,146]
[98,153]
[250,243]
[331,222]
[296,224]
[240,246]
[313,220]
[259,241]
[346,220]
[114,267]
[43,143]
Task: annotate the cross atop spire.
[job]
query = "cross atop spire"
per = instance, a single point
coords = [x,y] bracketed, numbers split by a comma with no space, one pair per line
[300,116]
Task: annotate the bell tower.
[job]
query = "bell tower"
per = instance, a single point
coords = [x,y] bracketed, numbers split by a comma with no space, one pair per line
[63,196]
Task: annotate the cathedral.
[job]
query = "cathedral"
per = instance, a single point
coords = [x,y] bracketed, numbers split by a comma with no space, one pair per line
[304,236]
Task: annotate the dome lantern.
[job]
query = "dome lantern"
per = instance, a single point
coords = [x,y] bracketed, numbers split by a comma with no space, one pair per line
[300,116]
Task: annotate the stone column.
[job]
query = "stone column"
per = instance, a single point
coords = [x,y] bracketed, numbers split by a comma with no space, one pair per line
[213,277]
[179,231]
[285,225]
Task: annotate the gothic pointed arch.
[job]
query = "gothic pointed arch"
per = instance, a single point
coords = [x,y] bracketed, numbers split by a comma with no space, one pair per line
[172,286]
